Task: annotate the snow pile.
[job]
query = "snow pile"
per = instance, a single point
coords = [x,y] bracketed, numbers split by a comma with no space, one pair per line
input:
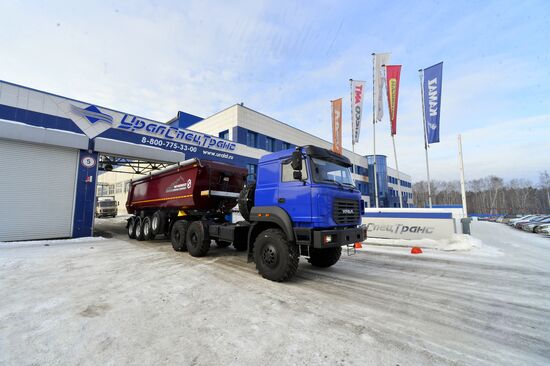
[15,244]
[458,242]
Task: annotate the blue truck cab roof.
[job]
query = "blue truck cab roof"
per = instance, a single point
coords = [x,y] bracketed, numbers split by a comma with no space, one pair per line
[310,150]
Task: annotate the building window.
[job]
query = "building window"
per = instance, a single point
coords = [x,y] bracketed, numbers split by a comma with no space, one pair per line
[111,189]
[126,186]
[251,139]
[119,187]
[285,145]
[224,135]
[251,172]
[270,144]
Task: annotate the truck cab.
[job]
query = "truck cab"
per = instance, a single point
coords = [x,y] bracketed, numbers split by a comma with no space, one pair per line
[309,197]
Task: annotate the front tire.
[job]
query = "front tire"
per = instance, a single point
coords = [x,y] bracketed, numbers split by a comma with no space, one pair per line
[276,259]
[198,241]
[178,234]
[324,258]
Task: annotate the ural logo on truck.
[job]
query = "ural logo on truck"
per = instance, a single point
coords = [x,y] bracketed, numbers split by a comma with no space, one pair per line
[179,185]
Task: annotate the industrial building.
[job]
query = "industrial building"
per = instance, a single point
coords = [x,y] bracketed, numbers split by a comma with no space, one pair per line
[52,149]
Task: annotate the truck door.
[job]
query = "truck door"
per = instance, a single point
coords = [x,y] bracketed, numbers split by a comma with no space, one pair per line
[294,196]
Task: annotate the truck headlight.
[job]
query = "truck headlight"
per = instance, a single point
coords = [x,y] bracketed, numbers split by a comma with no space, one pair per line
[328,239]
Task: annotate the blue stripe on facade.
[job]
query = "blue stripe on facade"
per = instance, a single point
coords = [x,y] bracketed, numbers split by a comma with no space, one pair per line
[37,119]
[410,215]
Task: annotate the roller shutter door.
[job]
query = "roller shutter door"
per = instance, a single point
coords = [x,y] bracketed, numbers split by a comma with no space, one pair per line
[37,190]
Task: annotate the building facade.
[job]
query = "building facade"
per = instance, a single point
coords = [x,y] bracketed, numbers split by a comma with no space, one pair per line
[265,134]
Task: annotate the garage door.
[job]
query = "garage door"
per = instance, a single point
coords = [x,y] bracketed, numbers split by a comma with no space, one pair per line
[37,186]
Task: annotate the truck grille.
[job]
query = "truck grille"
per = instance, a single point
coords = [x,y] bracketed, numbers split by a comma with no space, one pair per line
[345,211]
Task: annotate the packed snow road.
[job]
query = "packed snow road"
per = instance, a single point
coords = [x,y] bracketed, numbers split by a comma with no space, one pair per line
[119,301]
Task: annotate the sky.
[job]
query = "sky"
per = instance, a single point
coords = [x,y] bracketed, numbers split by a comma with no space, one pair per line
[288,59]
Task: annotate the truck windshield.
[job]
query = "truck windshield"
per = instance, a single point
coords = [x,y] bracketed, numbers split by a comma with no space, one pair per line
[106,203]
[327,171]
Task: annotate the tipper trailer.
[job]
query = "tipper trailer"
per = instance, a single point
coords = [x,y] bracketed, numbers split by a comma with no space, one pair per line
[303,203]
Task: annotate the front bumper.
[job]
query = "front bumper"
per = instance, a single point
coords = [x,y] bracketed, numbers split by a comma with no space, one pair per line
[339,237]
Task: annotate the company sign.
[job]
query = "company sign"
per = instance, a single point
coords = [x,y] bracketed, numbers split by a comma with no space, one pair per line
[406,228]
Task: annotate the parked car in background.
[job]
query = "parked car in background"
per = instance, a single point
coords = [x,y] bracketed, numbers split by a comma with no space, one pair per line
[536,219]
[541,228]
[545,230]
[532,225]
[512,222]
[506,218]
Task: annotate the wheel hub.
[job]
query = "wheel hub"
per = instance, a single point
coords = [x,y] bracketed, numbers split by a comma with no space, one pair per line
[270,256]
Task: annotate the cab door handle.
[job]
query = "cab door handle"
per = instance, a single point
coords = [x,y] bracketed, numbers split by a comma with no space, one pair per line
[281,200]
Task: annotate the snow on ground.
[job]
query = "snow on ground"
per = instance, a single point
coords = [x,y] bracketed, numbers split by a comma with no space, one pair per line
[456,243]
[119,301]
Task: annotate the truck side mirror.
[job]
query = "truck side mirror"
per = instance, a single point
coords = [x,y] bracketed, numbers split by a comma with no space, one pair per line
[296,162]
[297,175]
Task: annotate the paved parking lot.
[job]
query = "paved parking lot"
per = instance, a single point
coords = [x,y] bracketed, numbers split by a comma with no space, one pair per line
[117,301]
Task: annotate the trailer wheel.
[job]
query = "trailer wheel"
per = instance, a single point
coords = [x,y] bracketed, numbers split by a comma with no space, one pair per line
[198,241]
[222,244]
[157,223]
[179,230]
[147,229]
[324,258]
[131,227]
[138,223]
[276,259]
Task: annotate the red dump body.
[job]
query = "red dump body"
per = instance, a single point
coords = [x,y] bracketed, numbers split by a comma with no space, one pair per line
[194,186]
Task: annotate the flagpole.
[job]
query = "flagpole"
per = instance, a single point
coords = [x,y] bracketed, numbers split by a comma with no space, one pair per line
[421,74]
[397,168]
[374,133]
[351,114]
[462,184]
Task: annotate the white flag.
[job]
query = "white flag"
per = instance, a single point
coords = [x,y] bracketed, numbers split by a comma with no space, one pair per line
[357,92]
[379,81]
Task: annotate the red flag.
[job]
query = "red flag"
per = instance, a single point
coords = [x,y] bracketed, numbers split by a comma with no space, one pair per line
[393,72]
[337,125]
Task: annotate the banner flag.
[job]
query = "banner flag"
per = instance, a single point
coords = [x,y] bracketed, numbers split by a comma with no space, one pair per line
[337,125]
[379,60]
[432,100]
[393,73]
[357,92]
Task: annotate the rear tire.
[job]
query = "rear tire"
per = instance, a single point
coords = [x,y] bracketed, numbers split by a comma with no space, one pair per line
[198,241]
[138,223]
[157,223]
[147,230]
[276,259]
[324,258]
[132,227]
[246,200]
[178,235]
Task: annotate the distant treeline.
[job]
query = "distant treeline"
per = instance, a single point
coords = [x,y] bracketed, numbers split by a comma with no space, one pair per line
[489,195]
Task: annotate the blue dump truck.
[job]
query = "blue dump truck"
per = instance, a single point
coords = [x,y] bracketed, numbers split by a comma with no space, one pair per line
[303,203]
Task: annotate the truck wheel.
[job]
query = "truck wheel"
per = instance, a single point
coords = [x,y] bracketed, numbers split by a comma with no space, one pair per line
[138,223]
[246,200]
[157,223]
[324,258]
[132,227]
[222,244]
[179,230]
[198,241]
[147,229]
[276,259]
